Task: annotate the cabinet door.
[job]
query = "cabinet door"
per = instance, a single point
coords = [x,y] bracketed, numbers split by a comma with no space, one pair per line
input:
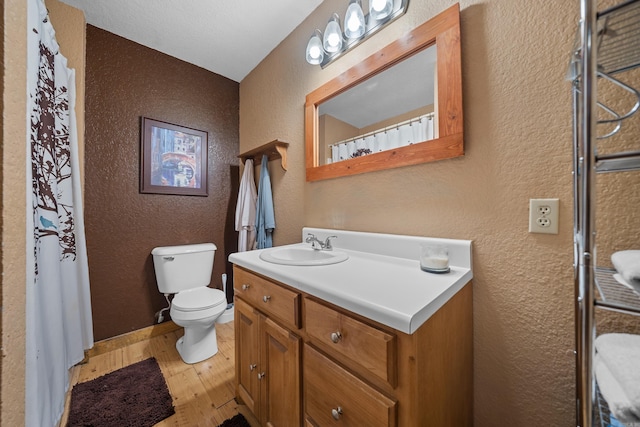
[280,377]
[247,327]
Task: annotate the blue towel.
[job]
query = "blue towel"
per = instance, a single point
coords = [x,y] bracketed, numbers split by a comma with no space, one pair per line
[265,217]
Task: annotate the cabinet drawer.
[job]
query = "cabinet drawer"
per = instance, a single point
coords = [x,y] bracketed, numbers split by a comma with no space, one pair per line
[333,396]
[370,348]
[268,297]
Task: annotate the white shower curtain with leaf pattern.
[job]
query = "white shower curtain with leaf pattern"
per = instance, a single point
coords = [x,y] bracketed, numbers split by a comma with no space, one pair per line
[58,307]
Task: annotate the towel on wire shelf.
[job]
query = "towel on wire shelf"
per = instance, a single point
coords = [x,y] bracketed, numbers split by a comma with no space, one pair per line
[617,370]
[619,404]
[265,216]
[246,209]
[627,263]
[618,278]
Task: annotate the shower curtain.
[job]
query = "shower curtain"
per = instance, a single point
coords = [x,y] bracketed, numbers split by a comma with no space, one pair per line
[58,306]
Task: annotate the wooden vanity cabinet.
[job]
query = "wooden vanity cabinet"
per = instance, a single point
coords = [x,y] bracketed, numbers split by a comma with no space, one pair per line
[354,371]
[267,365]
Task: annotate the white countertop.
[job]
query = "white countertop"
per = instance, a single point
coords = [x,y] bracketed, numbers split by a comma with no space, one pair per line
[381,280]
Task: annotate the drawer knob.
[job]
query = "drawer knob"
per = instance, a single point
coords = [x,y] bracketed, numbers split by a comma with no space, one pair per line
[336,336]
[266,298]
[252,367]
[336,412]
[261,375]
[245,287]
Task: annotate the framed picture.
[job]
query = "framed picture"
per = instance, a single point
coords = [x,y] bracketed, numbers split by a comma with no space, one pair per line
[173,159]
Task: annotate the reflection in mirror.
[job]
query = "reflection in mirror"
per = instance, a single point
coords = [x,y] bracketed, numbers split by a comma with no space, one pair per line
[400,106]
[404,115]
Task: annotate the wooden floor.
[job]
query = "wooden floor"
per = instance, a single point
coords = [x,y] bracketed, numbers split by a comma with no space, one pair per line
[203,393]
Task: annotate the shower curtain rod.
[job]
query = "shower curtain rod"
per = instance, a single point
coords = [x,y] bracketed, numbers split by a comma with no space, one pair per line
[384,129]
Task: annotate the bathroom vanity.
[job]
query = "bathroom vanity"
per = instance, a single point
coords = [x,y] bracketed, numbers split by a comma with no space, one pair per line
[368,341]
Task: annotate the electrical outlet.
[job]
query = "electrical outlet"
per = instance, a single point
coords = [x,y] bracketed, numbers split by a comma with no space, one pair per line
[544,210]
[543,216]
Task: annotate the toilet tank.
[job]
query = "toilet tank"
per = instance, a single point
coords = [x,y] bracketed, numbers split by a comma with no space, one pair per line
[183,267]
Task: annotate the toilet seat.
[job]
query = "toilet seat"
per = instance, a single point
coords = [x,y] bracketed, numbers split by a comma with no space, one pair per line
[198,299]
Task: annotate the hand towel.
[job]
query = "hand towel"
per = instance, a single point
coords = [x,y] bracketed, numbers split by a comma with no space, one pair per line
[246,209]
[619,404]
[619,353]
[628,265]
[265,217]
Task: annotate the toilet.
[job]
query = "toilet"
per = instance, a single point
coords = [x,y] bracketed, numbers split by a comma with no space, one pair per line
[185,271]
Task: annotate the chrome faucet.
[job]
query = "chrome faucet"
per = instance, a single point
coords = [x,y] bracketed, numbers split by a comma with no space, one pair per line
[319,245]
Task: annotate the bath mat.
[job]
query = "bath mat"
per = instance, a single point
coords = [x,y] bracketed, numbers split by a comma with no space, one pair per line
[236,421]
[134,396]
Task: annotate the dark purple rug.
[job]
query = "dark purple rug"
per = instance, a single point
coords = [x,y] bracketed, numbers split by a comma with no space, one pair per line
[134,396]
[236,421]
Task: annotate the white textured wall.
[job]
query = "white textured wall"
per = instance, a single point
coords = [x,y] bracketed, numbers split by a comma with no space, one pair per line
[518,146]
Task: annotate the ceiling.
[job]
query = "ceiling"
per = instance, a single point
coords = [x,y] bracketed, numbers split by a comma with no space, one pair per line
[229,38]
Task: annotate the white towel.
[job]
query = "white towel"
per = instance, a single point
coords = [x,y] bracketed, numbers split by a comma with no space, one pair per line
[246,209]
[619,404]
[628,265]
[624,283]
[618,374]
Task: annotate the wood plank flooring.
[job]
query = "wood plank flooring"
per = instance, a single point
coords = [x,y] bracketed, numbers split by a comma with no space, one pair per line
[203,393]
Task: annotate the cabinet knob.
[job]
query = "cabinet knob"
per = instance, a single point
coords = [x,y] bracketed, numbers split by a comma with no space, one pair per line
[252,367]
[266,298]
[336,336]
[261,375]
[245,286]
[336,412]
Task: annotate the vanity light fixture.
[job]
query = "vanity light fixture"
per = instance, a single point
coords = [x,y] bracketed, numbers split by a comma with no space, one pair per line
[322,50]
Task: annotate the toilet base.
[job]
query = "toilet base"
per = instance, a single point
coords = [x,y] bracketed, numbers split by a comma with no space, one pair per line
[197,344]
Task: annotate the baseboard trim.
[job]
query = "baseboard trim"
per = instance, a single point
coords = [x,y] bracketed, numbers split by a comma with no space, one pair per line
[129,338]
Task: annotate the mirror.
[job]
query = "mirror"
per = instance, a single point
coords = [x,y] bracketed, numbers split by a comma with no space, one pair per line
[364,120]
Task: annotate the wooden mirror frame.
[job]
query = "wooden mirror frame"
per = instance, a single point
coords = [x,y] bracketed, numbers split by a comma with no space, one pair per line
[444,31]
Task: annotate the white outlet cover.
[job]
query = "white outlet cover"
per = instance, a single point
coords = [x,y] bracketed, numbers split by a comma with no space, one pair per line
[534,215]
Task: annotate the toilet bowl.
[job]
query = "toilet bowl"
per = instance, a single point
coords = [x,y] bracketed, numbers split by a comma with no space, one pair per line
[185,271]
[196,311]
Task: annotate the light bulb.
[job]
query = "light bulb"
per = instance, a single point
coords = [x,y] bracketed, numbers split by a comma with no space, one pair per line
[333,40]
[379,9]
[354,21]
[378,5]
[315,54]
[333,35]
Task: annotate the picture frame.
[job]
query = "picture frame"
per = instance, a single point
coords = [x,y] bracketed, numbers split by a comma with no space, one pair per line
[173,159]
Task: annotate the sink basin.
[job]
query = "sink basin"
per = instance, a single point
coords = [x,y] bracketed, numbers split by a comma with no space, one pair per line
[302,256]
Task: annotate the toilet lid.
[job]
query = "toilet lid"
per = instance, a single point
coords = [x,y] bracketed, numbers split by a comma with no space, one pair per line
[198,299]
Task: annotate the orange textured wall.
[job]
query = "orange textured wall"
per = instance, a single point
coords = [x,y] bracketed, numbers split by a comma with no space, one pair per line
[14,212]
[70,25]
[518,146]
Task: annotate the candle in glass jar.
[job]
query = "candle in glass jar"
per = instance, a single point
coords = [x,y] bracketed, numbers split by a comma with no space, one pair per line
[434,258]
